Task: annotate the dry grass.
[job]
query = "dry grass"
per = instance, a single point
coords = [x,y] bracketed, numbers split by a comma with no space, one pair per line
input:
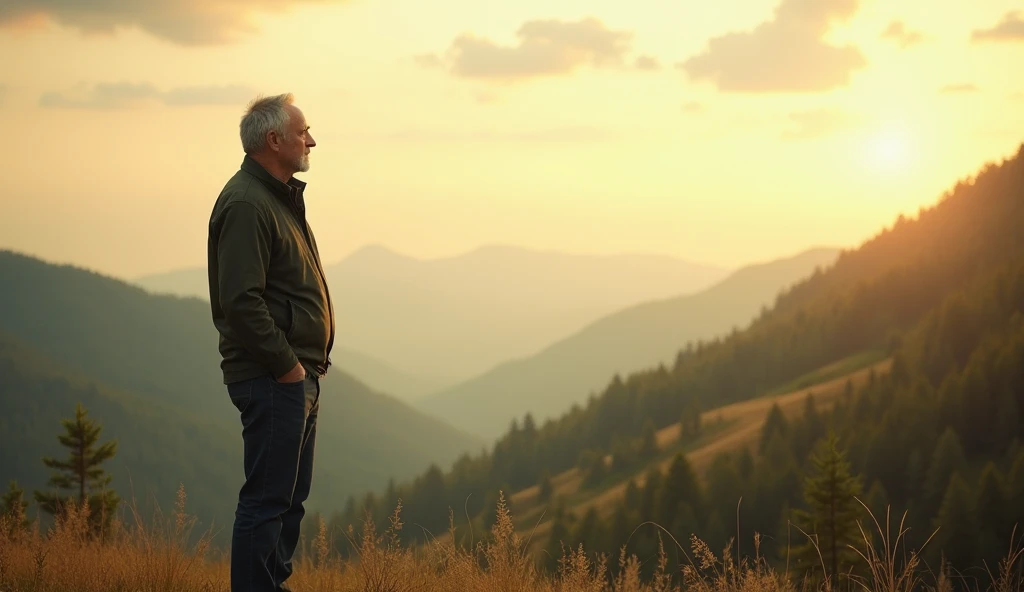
[157,556]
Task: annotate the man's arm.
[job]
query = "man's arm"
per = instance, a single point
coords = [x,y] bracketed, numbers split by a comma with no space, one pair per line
[243,256]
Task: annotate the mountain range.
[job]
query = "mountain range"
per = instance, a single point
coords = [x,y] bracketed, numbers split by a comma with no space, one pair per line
[645,335]
[431,323]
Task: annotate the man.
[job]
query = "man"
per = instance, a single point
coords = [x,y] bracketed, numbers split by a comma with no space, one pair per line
[272,308]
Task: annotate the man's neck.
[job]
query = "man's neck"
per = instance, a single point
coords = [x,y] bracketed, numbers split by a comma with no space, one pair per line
[273,167]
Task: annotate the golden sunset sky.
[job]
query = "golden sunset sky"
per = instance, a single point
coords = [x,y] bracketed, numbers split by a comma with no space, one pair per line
[722,132]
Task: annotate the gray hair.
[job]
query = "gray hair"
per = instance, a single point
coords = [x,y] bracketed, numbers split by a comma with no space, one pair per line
[262,115]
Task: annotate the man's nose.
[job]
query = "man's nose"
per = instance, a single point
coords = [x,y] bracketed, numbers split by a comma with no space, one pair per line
[310,142]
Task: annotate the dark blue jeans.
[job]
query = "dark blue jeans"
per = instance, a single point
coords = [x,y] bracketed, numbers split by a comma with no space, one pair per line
[278,435]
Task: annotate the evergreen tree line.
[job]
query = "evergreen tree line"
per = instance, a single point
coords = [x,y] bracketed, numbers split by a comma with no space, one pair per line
[876,297]
[937,437]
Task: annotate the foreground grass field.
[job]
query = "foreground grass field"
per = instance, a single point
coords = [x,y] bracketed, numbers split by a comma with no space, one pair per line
[164,555]
[158,559]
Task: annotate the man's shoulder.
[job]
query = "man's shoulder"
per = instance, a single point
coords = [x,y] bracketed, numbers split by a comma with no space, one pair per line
[243,187]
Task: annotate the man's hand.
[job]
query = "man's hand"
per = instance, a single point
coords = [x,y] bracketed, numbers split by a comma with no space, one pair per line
[294,375]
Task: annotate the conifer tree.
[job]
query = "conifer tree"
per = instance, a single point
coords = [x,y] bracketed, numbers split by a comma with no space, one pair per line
[947,460]
[774,424]
[679,488]
[649,494]
[877,500]
[648,441]
[546,488]
[957,524]
[832,509]
[690,421]
[14,508]
[991,512]
[81,474]
[558,537]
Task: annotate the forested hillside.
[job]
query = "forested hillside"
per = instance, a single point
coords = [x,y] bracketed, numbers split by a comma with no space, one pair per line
[941,293]
[147,369]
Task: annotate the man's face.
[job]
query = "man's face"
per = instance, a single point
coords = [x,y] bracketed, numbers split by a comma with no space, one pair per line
[295,144]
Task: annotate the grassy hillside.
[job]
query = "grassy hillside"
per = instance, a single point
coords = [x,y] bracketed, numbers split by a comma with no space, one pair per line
[730,429]
[77,335]
[566,373]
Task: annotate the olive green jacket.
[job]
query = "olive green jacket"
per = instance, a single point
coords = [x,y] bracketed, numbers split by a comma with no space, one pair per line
[268,292]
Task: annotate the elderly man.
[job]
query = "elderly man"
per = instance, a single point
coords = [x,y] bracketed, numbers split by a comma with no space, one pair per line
[272,308]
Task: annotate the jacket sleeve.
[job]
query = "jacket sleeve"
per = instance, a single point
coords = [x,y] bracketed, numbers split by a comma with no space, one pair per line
[243,256]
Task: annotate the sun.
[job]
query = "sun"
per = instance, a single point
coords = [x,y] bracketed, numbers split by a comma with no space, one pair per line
[889,149]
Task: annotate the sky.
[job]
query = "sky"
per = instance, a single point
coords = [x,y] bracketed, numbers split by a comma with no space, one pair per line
[724,133]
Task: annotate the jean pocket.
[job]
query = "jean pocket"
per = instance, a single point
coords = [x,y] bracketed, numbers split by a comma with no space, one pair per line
[295,389]
[241,394]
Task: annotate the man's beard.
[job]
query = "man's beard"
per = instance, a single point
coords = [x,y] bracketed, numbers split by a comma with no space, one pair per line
[303,163]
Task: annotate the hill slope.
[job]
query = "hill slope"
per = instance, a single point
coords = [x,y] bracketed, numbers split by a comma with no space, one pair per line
[452,318]
[385,377]
[942,294]
[550,382]
[135,353]
[731,429]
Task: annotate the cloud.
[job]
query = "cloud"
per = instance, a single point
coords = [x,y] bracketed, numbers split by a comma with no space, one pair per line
[898,32]
[787,53]
[693,107]
[817,123]
[185,22]
[208,95]
[544,48]
[964,87]
[121,95]
[1011,28]
[1017,96]
[5,91]
[647,63]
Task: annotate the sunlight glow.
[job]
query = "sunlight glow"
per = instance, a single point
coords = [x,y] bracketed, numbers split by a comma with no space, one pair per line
[890,149]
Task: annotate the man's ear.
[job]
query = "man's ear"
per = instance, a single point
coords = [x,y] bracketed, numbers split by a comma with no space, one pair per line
[273,141]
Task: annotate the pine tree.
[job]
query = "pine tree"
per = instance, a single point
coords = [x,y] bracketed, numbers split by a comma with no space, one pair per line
[590,532]
[810,430]
[649,494]
[833,511]
[947,460]
[13,512]
[991,512]
[620,527]
[546,488]
[81,473]
[957,524]
[597,471]
[774,424]
[877,500]
[558,537]
[648,442]
[679,488]
[689,423]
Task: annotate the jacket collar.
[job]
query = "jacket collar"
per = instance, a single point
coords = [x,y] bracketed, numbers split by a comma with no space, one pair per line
[291,191]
